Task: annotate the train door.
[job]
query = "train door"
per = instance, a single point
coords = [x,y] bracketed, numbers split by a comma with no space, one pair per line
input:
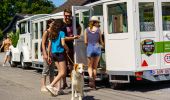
[148,34]
[81,15]
[118,26]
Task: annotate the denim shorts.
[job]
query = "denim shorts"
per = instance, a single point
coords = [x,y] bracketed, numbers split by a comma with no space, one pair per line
[93,50]
[58,57]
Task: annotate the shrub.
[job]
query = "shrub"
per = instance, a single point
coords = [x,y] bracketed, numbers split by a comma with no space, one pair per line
[14,38]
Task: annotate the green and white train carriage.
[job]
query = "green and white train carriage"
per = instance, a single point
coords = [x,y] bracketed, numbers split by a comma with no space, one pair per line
[136,34]
[137,38]
[22,53]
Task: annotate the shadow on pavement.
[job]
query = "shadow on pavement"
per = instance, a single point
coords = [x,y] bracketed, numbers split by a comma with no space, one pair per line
[145,86]
[89,98]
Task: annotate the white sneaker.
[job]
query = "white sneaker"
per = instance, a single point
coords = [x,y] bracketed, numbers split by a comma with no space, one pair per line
[3,65]
[55,89]
[44,89]
[51,90]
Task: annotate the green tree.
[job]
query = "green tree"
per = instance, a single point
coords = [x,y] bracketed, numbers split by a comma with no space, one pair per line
[1,35]
[8,8]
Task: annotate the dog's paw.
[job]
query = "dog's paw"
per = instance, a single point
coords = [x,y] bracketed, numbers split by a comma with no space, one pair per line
[76,95]
[80,98]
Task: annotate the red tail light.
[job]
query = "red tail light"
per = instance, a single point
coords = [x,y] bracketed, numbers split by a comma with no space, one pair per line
[138,75]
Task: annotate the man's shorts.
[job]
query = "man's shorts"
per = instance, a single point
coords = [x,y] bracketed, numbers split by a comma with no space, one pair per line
[58,57]
[93,50]
[48,69]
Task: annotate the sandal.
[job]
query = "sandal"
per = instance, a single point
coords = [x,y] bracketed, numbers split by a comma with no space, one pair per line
[91,82]
[60,92]
[64,86]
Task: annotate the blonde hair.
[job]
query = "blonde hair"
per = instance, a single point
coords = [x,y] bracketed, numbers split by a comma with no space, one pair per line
[91,24]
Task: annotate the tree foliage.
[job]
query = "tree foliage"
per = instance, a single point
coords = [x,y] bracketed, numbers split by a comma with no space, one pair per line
[8,8]
[1,35]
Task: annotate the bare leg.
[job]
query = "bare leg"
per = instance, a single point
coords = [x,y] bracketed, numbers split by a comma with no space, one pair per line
[58,84]
[51,78]
[44,76]
[95,65]
[64,82]
[61,72]
[43,82]
[5,59]
[90,70]
[51,72]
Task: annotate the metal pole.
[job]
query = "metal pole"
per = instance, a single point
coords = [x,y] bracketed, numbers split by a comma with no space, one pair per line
[74,32]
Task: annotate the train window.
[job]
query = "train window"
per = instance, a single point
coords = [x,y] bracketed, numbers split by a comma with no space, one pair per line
[23,28]
[86,18]
[166,15]
[97,10]
[36,31]
[36,50]
[41,29]
[146,16]
[117,18]
[29,26]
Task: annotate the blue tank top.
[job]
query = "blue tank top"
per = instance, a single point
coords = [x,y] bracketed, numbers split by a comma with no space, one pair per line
[56,43]
[93,38]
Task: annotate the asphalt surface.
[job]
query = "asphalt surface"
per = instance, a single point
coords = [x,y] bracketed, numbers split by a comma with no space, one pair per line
[24,84]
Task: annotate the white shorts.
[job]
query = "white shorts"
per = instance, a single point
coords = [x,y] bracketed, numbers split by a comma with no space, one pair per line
[7,52]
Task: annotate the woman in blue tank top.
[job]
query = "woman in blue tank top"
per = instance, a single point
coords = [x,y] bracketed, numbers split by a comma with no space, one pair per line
[56,47]
[93,39]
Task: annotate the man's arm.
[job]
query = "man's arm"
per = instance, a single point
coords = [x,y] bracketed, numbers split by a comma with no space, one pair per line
[49,51]
[2,45]
[71,38]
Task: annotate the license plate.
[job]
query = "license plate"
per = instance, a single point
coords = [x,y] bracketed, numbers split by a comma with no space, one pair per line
[160,71]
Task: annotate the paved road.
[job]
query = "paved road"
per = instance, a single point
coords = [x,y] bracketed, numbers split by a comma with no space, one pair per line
[19,84]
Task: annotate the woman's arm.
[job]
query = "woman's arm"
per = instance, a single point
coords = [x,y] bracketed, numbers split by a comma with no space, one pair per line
[85,37]
[64,45]
[44,52]
[101,40]
[49,50]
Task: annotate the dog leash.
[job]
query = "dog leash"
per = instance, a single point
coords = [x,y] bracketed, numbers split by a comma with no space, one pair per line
[70,59]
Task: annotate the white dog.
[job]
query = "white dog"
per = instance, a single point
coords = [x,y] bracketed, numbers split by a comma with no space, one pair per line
[77,80]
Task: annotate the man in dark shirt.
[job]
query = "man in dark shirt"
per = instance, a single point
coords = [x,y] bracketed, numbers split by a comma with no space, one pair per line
[68,29]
